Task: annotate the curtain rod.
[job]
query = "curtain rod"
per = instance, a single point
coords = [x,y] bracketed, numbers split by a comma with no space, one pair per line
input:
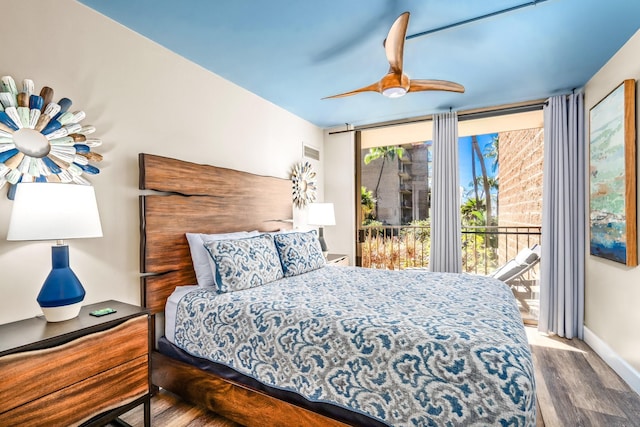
[479,113]
[477,18]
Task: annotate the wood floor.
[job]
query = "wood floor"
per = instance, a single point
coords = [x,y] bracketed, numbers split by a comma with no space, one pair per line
[575,388]
[168,410]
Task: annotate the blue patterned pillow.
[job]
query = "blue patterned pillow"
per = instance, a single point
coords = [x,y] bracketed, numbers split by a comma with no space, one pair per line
[203,265]
[299,252]
[244,263]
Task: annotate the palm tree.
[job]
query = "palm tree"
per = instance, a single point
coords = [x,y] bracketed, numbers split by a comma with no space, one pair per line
[472,212]
[493,183]
[473,172]
[485,179]
[383,153]
[367,204]
[491,152]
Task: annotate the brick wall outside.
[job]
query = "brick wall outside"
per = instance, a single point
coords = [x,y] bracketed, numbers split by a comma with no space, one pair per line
[520,158]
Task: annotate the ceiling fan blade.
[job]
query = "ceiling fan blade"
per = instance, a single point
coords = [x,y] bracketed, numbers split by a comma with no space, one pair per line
[394,43]
[419,85]
[396,83]
[375,87]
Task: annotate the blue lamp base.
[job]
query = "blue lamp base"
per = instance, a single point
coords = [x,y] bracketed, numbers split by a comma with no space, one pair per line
[62,293]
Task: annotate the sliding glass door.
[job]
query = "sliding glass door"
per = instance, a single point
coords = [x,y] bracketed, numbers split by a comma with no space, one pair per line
[500,197]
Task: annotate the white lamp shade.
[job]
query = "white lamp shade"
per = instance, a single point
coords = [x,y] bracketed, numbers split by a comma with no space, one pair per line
[321,214]
[54,211]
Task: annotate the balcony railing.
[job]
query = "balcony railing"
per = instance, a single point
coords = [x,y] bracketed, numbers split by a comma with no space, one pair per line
[484,249]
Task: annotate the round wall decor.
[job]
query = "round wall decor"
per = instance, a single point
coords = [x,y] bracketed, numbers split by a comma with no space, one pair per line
[40,140]
[303,179]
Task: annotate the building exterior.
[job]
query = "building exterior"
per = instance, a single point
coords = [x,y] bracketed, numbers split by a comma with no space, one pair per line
[520,157]
[403,193]
[520,176]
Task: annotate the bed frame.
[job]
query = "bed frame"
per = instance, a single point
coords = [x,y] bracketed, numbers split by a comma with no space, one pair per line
[184,197]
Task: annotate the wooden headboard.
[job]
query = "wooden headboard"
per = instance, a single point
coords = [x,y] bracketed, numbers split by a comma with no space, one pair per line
[197,198]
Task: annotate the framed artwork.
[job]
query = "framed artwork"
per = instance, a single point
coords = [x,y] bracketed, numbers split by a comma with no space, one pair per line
[612,172]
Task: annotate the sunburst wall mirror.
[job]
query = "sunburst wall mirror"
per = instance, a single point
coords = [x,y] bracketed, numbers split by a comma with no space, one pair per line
[303,180]
[41,140]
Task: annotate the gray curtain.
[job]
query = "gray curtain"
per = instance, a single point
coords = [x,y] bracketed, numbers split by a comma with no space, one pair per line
[563,218]
[446,251]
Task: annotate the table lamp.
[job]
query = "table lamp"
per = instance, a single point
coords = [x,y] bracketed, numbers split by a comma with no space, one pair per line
[56,211]
[321,214]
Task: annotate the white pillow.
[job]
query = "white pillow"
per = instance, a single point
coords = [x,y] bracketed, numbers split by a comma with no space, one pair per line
[283,231]
[202,262]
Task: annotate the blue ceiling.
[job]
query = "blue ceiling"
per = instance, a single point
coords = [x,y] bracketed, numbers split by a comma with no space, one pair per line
[295,52]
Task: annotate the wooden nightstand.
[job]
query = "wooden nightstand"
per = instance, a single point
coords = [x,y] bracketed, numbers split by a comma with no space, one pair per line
[87,370]
[337,259]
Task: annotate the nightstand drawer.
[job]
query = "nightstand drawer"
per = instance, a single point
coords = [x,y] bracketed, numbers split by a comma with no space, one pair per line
[79,402]
[30,375]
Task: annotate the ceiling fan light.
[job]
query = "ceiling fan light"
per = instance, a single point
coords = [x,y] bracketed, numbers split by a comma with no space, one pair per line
[394,92]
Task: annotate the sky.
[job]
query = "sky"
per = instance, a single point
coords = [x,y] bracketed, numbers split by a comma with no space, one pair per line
[466,176]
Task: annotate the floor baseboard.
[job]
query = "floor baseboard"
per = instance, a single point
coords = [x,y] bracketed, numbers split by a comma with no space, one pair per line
[618,364]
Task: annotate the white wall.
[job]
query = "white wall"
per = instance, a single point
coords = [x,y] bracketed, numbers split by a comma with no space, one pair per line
[141,98]
[612,291]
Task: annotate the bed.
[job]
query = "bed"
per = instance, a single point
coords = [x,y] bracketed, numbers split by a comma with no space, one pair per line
[317,345]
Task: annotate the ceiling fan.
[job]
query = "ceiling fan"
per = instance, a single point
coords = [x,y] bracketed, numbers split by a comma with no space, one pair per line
[396,83]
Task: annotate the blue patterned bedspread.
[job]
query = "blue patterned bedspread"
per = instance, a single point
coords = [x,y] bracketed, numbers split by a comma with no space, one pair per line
[409,348]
